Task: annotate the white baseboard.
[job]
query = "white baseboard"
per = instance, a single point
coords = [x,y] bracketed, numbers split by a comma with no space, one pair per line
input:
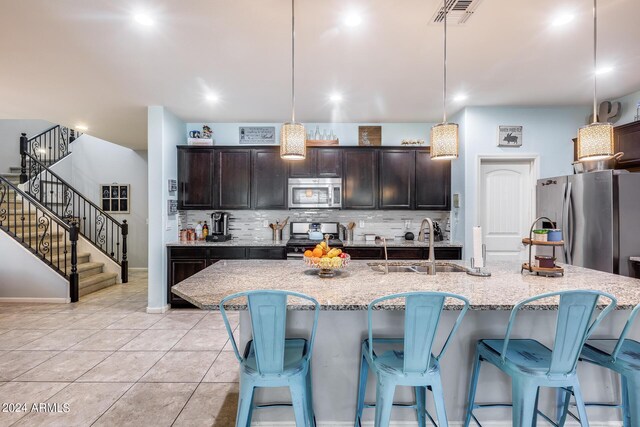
[36,300]
[138,269]
[159,310]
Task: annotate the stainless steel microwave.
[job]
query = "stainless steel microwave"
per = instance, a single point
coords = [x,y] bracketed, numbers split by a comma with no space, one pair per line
[315,193]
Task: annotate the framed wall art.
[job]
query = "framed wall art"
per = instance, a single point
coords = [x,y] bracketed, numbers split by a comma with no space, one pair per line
[115,198]
[257,135]
[509,136]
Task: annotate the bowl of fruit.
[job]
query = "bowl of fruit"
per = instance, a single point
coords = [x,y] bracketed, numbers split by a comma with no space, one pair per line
[327,260]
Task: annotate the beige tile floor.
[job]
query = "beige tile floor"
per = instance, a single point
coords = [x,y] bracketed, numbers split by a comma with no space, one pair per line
[115,365]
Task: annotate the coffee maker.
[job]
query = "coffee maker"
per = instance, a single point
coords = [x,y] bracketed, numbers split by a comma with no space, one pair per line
[219,227]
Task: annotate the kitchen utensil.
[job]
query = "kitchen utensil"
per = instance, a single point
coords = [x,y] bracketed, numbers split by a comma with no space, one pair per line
[599,165]
[351,225]
[409,236]
[283,223]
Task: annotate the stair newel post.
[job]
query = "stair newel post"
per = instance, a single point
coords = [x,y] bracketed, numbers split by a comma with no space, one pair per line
[24,147]
[74,279]
[125,261]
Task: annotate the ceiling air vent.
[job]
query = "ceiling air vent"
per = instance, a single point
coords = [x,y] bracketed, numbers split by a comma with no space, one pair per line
[458,12]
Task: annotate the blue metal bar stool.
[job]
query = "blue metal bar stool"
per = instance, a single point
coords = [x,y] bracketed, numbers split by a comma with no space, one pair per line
[532,365]
[272,360]
[414,364]
[621,356]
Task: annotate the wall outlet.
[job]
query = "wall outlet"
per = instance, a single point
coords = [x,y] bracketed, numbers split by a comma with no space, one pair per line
[265,223]
[361,223]
[407,223]
[456,200]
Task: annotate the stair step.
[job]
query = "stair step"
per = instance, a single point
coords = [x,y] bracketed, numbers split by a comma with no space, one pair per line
[83,258]
[97,282]
[89,269]
[34,235]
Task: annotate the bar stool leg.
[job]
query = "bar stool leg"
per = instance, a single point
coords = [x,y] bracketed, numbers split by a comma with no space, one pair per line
[563,397]
[582,410]
[472,388]
[524,402]
[421,396]
[245,403]
[299,401]
[384,402]
[438,396]
[362,387]
[632,403]
[309,387]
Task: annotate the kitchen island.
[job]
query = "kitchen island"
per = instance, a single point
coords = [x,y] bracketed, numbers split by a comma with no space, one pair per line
[342,326]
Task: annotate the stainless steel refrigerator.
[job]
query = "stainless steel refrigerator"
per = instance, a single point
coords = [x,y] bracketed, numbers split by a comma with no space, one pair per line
[599,215]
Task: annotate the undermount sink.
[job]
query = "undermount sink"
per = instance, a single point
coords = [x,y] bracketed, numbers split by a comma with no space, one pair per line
[417,268]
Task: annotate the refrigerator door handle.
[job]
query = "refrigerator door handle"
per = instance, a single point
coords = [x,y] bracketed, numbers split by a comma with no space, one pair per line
[568,229]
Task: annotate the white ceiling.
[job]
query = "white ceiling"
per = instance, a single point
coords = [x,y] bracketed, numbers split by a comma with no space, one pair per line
[88,62]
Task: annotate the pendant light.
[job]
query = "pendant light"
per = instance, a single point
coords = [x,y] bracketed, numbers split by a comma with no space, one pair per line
[293,137]
[444,136]
[595,141]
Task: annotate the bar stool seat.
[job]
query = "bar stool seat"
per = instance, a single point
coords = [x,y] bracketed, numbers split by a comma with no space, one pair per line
[628,356]
[525,355]
[392,361]
[295,350]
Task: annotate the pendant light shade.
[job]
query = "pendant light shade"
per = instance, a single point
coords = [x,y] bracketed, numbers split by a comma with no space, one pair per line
[292,141]
[444,141]
[293,137]
[444,136]
[595,141]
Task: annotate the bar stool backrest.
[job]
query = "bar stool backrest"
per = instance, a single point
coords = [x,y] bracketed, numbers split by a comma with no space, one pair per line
[421,319]
[625,332]
[268,313]
[573,325]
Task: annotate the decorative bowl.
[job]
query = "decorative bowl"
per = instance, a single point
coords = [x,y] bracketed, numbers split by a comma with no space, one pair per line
[327,266]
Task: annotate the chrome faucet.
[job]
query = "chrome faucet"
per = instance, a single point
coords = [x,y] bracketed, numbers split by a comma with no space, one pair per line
[432,256]
[386,257]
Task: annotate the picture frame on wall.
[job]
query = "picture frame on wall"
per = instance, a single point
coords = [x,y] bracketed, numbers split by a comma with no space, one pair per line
[370,136]
[115,198]
[257,135]
[509,136]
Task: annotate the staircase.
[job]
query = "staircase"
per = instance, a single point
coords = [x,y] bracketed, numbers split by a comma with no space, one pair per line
[32,225]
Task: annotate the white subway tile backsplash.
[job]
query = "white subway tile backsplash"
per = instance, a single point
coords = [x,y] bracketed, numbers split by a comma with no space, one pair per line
[249,224]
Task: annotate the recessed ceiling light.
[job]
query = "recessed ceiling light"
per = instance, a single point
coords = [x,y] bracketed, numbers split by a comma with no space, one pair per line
[604,70]
[460,97]
[335,97]
[143,19]
[81,128]
[352,19]
[211,97]
[562,19]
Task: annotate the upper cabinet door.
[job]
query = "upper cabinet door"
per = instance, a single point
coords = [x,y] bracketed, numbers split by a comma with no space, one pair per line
[397,177]
[233,178]
[269,180]
[433,182]
[360,181]
[328,162]
[303,168]
[627,140]
[195,178]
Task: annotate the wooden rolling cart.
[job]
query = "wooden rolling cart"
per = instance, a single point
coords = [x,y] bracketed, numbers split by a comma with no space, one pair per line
[529,266]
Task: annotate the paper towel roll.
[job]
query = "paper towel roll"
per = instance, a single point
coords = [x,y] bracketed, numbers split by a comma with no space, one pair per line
[477,247]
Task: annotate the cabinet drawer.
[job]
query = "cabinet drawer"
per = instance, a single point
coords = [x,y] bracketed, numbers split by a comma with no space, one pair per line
[404,253]
[228,253]
[266,253]
[447,253]
[191,253]
[364,253]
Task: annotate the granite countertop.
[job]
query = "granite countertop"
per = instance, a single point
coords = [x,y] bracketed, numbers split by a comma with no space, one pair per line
[232,242]
[357,285]
[400,244]
[635,258]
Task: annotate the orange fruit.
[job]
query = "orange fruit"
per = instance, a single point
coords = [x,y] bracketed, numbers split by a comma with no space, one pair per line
[317,252]
[308,253]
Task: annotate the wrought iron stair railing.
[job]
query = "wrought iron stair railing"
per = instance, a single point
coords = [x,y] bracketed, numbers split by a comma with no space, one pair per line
[49,238]
[102,230]
[50,145]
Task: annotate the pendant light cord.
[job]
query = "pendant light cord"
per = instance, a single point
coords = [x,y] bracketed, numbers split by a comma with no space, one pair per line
[293,62]
[444,85]
[595,61]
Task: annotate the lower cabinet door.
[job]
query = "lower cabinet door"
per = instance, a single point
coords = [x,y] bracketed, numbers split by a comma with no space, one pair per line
[446,253]
[364,253]
[267,253]
[181,269]
[404,253]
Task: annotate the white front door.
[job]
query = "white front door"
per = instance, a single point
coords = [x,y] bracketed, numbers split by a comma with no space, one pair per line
[507,188]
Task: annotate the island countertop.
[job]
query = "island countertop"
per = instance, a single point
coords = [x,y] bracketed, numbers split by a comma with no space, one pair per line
[358,284]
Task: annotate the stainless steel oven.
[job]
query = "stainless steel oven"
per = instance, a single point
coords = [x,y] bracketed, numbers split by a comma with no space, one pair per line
[315,193]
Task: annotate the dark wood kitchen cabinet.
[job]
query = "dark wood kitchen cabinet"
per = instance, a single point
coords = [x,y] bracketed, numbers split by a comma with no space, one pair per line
[396,179]
[195,178]
[360,178]
[233,179]
[627,140]
[319,163]
[433,182]
[269,180]
[418,253]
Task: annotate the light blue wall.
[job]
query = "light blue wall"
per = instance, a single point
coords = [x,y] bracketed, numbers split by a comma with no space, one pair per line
[547,135]
[629,107]
[392,133]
